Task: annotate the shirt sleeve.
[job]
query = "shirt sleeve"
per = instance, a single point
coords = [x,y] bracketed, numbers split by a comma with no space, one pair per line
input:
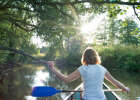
[80,69]
[104,69]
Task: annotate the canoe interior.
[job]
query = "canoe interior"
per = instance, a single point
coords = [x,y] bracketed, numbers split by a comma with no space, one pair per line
[78,95]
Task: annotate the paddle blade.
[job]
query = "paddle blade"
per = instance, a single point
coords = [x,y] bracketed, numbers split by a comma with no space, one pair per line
[44,91]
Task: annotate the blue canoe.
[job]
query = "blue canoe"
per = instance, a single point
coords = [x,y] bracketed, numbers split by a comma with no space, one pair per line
[78,95]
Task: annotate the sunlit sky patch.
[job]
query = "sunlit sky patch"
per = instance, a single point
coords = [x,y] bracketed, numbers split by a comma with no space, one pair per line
[37,41]
[92,26]
[88,29]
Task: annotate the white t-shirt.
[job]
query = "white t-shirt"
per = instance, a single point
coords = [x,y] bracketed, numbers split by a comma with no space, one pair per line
[93,77]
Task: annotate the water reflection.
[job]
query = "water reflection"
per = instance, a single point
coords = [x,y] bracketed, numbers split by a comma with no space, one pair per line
[53,81]
[16,85]
[19,83]
[39,80]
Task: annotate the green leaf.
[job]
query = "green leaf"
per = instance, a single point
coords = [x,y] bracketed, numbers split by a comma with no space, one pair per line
[124,10]
[121,13]
[138,7]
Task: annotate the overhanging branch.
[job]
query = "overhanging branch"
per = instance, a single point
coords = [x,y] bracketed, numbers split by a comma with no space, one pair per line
[62,12]
[91,1]
[136,12]
[24,54]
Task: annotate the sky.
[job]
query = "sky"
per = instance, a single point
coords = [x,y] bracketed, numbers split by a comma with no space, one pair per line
[89,28]
[38,41]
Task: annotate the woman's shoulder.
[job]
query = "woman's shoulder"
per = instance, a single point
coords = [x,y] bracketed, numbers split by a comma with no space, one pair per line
[100,65]
[103,68]
[83,68]
[94,65]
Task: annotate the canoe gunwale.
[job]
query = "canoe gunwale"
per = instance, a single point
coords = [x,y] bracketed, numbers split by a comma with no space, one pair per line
[66,98]
[81,85]
[117,97]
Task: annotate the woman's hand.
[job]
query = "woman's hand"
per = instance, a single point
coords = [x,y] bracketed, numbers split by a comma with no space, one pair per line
[127,89]
[50,64]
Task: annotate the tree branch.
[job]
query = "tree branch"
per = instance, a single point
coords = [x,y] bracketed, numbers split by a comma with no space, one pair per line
[5,31]
[24,54]
[75,13]
[91,1]
[136,12]
[16,24]
[15,7]
[12,19]
[23,28]
[62,12]
[6,70]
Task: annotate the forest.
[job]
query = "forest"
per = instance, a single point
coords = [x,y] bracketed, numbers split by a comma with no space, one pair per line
[58,23]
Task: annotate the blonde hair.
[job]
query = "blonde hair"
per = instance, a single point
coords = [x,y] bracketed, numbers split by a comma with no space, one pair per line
[90,56]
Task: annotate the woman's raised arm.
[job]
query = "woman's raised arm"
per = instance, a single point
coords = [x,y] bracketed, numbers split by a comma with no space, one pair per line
[73,76]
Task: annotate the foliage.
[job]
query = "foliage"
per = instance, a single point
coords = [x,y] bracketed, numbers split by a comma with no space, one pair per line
[43,49]
[129,32]
[55,21]
[14,31]
[113,31]
[74,51]
[121,57]
[69,53]
[30,49]
[3,56]
[51,53]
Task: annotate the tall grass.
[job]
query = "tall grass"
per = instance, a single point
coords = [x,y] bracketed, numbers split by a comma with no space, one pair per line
[120,57]
[123,57]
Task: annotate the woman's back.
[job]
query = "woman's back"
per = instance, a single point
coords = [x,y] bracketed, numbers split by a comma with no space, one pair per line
[93,76]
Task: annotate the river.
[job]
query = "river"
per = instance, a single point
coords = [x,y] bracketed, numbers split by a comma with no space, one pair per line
[19,82]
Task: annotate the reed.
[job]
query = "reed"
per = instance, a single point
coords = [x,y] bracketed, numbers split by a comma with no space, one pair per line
[124,57]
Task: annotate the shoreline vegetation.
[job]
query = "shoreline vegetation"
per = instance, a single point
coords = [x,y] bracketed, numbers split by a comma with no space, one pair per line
[116,57]
[123,58]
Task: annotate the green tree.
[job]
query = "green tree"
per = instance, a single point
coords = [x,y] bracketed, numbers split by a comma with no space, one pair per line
[43,49]
[74,48]
[15,29]
[52,20]
[102,32]
[129,33]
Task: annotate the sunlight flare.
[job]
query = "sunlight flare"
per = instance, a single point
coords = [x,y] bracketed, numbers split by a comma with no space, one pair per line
[89,30]
[86,28]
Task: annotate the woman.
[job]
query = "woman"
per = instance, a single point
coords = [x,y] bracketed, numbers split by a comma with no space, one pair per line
[93,75]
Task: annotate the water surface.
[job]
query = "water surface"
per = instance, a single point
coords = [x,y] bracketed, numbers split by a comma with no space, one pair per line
[19,82]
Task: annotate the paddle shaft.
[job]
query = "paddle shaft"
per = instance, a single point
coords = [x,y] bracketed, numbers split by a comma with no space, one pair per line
[105,90]
[42,91]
